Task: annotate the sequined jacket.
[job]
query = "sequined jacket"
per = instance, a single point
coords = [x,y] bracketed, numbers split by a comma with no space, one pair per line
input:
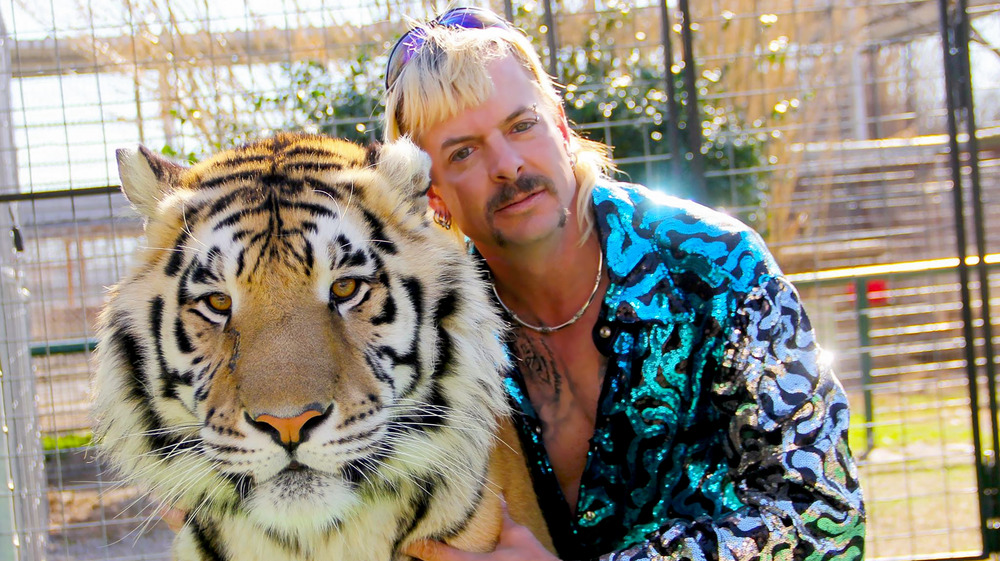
[721,433]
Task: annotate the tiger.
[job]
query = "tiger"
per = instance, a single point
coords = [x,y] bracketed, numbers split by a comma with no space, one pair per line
[302,363]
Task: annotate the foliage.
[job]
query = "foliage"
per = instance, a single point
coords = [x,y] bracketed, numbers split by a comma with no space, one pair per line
[618,96]
[311,96]
[324,102]
[632,109]
[66,441]
[171,152]
[615,97]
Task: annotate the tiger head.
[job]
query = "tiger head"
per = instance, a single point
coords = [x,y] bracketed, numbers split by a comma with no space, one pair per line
[297,340]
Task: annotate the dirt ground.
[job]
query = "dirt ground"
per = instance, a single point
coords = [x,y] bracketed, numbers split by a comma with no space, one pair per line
[920,503]
[116,524]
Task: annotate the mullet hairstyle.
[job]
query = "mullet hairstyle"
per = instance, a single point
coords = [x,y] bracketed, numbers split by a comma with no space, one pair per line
[448,74]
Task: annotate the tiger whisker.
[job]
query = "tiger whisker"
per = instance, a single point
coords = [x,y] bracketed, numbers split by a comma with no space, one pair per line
[422,405]
[177,429]
[468,420]
[171,450]
[461,468]
[207,501]
[181,469]
[400,435]
[159,502]
[479,423]
[176,491]
[467,428]
[365,462]
[172,458]
[428,409]
[187,229]
[455,467]
[472,428]
[441,454]
[150,467]
[403,475]
[157,248]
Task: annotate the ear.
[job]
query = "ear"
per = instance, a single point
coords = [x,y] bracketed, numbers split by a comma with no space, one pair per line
[146,177]
[435,201]
[408,169]
[562,122]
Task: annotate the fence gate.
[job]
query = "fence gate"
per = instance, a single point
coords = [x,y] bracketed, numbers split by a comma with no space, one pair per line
[861,137]
[972,246]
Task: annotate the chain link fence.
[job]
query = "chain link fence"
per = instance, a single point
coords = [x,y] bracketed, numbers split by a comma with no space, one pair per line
[832,127]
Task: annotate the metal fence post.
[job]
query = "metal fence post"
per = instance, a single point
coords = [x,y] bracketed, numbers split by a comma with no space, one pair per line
[695,137]
[672,116]
[865,358]
[23,504]
[966,105]
[551,39]
[954,44]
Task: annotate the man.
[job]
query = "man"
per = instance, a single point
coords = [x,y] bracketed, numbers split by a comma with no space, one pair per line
[668,388]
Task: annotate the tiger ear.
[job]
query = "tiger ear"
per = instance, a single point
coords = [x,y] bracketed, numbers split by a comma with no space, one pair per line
[408,169]
[147,177]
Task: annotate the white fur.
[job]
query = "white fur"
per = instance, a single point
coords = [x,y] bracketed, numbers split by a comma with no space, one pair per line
[316,509]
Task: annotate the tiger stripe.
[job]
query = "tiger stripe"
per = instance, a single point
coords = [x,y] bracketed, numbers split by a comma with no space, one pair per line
[404,364]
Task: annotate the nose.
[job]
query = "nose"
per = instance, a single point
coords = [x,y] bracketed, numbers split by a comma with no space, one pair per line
[290,431]
[506,161]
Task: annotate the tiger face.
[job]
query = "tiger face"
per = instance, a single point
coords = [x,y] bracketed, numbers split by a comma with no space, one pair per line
[299,360]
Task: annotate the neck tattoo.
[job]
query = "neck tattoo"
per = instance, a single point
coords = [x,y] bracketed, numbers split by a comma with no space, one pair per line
[544,328]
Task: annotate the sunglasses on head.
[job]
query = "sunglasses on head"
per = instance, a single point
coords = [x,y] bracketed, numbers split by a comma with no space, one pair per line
[412,40]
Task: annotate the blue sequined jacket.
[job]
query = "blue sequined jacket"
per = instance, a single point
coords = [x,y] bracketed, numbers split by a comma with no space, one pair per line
[721,433]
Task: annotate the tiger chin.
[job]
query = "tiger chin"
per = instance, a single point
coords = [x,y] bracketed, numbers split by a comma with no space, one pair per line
[302,363]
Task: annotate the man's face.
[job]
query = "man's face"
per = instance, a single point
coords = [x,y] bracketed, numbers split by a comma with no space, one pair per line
[502,168]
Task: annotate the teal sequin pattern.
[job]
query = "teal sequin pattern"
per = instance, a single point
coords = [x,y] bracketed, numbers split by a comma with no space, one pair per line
[720,432]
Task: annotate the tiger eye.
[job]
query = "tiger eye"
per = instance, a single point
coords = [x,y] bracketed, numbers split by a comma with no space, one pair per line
[344,288]
[219,302]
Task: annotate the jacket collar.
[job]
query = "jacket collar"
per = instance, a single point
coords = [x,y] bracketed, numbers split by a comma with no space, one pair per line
[642,287]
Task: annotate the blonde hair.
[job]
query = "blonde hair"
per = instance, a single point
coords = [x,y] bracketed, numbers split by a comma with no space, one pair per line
[449,73]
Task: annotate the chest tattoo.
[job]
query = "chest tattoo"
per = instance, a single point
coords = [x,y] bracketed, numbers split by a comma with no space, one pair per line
[539,363]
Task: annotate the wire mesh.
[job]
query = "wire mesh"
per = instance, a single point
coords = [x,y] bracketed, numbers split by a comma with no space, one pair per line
[822,123]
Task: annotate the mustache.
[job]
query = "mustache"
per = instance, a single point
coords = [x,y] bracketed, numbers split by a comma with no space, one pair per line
[510,191]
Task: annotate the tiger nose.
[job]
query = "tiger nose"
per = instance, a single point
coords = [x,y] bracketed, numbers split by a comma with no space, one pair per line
[288,431]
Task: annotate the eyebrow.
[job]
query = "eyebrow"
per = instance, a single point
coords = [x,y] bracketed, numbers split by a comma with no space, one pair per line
[513,116]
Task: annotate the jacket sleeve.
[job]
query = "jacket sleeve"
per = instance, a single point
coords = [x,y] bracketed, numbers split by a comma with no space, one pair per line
[791,465]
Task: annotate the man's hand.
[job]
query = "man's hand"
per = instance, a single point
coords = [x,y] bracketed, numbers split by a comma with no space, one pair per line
[517,543]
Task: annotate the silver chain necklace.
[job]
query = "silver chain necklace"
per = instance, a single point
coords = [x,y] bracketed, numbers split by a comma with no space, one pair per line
[544,328]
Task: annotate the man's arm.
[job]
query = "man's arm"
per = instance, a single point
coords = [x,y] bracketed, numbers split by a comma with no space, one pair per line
[788,434]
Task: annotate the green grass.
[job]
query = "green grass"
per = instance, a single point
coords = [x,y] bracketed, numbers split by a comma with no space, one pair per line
[919,510]
[919,477]
[52,443]
[911,419]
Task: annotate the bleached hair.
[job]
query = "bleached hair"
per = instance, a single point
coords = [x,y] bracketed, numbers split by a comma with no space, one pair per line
[449,73]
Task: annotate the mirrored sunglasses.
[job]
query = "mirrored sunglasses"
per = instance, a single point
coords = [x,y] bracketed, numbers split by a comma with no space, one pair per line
[409,44]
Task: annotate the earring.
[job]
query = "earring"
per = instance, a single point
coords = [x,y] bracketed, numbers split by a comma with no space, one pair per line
[572,159]
[442,219]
